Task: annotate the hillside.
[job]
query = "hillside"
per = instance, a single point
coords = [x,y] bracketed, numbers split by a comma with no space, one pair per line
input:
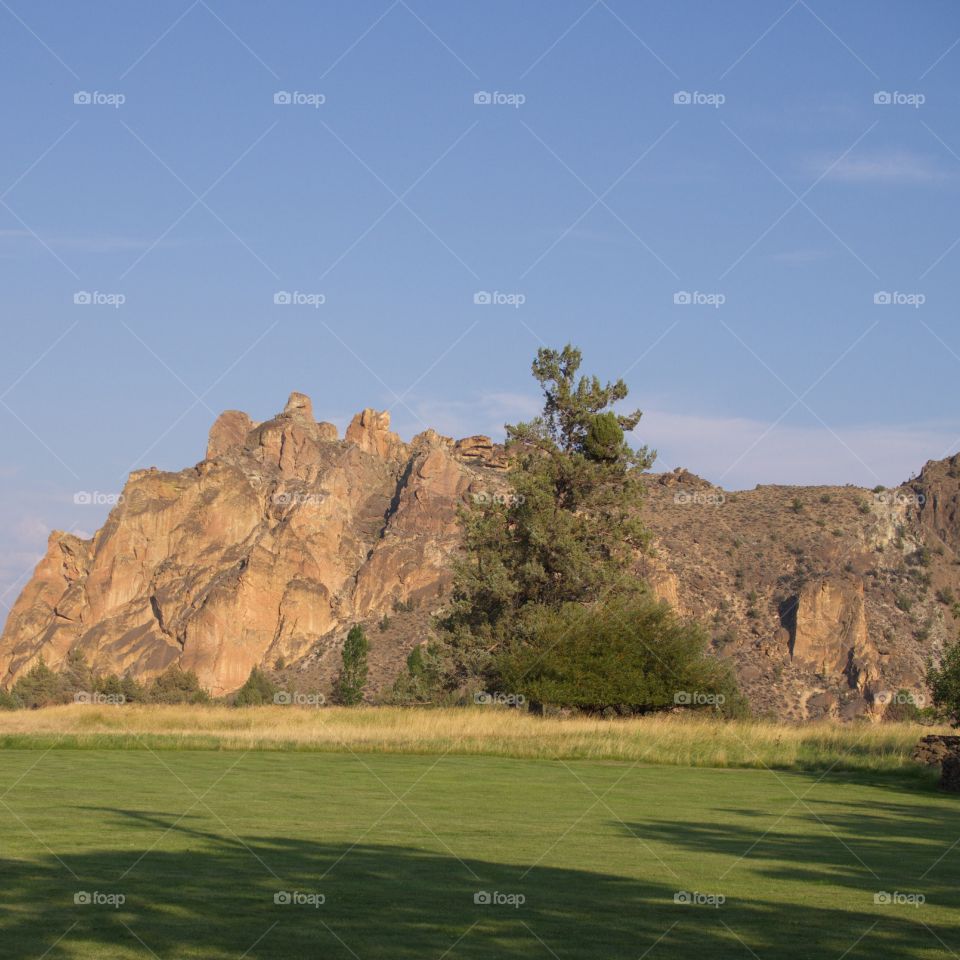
[827,600]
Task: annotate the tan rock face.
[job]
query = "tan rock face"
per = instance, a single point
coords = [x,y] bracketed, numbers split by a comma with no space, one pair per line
[281,535]
[830,632]
[370,431]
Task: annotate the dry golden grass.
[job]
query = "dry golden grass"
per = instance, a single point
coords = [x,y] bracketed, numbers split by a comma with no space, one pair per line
[661,739]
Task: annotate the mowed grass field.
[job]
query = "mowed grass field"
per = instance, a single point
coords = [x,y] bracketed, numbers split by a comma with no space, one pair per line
[228,853]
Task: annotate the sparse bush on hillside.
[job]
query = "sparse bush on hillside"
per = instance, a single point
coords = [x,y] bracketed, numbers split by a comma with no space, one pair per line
[176,686]
[257,691]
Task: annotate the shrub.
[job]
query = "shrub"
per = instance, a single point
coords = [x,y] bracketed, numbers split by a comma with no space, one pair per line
[630,654]
[177,686]
[258,690]
[946,596]
[39,687]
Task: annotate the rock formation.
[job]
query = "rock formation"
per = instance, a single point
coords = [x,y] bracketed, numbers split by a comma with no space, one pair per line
[282,535]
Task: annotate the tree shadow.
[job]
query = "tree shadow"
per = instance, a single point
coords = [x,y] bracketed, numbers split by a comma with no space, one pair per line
[257,897]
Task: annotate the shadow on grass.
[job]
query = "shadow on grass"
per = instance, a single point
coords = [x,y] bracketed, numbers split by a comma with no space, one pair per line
[218,899]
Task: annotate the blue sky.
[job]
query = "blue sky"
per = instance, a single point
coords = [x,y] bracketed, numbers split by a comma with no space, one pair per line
[782,199]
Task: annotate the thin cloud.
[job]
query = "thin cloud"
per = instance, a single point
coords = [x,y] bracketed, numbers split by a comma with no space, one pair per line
[895,166]
[739,452]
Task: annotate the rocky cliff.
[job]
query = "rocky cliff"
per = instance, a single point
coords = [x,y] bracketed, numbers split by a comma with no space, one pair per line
[282,535]
[827,601]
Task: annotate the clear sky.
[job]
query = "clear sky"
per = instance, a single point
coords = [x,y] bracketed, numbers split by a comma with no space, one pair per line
[778,196]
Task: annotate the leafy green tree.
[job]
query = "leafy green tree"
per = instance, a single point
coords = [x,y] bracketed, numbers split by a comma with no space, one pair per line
[943,679]
[354,669]
[568,532]
[628,654]
[177,686]
[258,690]
[38,687]
[421,680]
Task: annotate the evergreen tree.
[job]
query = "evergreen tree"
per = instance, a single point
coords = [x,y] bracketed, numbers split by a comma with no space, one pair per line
[353,672]
[38,687]
[177,686]
[570,529]
[258,690]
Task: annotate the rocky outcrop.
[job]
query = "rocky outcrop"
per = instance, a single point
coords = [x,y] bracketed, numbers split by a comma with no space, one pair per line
[932,750]
[828,632]
[943,752]
[281,536]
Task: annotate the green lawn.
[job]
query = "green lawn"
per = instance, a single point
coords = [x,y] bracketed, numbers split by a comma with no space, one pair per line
[199,843]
